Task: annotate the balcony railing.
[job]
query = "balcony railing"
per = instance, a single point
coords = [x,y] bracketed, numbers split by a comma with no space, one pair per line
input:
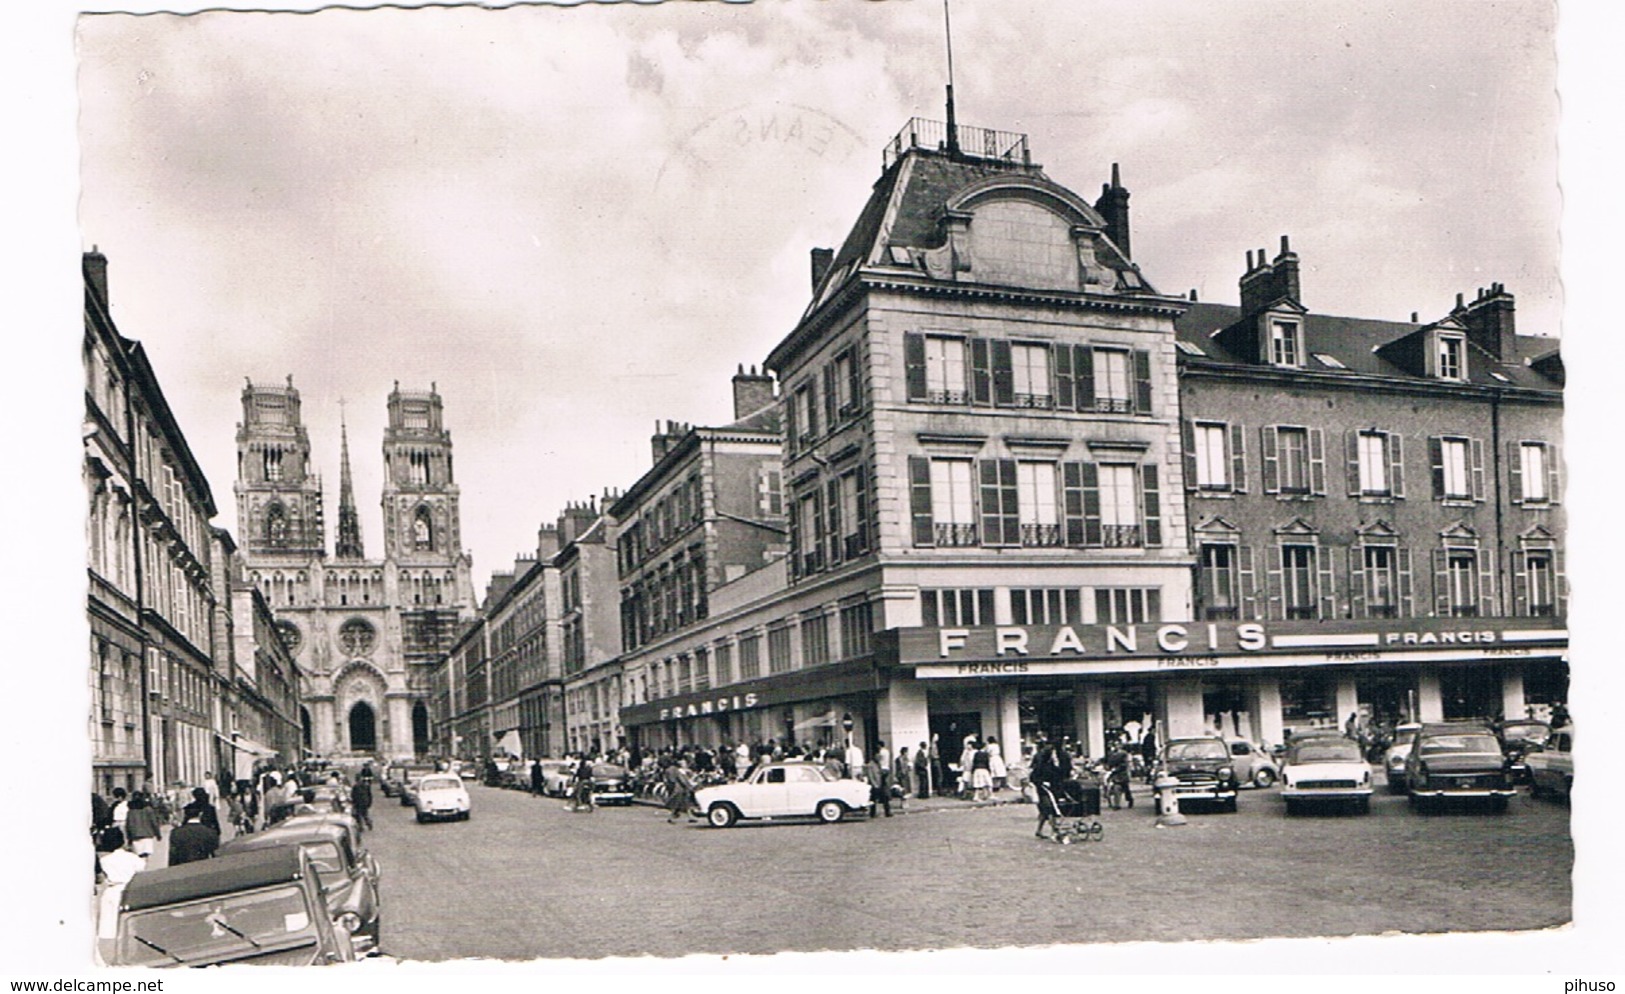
[1120,536]
[953,535]
[1040,536]
[976,143]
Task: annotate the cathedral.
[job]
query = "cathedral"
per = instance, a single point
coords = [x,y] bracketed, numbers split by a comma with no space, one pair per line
[365,631]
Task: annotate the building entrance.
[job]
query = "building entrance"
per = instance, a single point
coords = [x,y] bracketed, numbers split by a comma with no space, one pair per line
[1388,697]
[420,729]
[1052,712]
[1471,692]
[363,728]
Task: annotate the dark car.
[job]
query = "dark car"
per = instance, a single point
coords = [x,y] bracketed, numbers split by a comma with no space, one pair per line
[1204,770]
[1457,761]
[326,797]
[348,875]
[611,784]
[1519,737]
[264,907]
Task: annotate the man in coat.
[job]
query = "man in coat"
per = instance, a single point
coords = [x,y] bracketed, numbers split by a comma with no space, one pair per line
[361,799]
[192,840]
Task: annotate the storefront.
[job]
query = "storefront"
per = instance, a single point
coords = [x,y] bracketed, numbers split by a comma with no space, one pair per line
[1253,680]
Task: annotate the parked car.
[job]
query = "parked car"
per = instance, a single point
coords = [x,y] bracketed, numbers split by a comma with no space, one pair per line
[1255,766]
[1518,736]
[349,876]
[401,776]
[782,790]
[1457,760]
[556,776]
[611,784]
[1324,769]
[468,770]
[1393,759]
[1204,770]
[1551,767]
[441,795]
[262,907]
[327,797]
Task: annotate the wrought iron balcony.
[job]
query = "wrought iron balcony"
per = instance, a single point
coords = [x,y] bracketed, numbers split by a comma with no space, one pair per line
[973,143]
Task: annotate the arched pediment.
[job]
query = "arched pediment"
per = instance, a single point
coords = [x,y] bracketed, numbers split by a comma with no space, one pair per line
[1063,203]
[359,673]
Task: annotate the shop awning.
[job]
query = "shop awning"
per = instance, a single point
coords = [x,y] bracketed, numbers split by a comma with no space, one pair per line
[825,720]
[510,744]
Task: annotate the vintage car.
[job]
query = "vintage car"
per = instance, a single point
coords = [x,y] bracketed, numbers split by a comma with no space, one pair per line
[1393,758]
[441,795]
[1551,767]
[400,775]
[1518,736]
[260,907]
[611,784]
[1454,761]
[1255,765]
[349,876]
[327,797]
[1204,771]
[556,776]
[782,790]
[1325,769]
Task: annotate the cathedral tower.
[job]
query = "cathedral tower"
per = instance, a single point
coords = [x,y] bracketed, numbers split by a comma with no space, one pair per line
[279,500]
[419,498]
[349,539]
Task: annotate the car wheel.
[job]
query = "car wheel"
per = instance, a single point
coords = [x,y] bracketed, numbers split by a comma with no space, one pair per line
[1291,808]
[1396,785]
[1230,805]
[421,819]
[1498,805]
[722,815]
[1363,806]
[830,812]
[466,814]
[1264,778]
[1419,804]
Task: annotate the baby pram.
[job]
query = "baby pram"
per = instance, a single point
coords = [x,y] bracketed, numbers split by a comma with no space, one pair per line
[1074,807]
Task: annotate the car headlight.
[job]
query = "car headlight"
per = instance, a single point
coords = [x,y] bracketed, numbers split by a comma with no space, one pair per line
[1226,773]
[349,921]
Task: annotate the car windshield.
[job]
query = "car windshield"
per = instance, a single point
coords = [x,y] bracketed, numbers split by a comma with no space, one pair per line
[1526,733]
[210,928]
[606,770]
[1439,745]
[1326,751]
[327,861]
[1404,737]
[441,783]
[1200,749]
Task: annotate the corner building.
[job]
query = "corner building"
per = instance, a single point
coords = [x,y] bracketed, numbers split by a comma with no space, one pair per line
[366,632]
[981,431]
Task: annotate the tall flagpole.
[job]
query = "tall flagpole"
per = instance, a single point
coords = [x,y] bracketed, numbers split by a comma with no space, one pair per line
[948,32]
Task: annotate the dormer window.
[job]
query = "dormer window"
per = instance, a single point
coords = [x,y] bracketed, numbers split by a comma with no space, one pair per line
[1450,358]
[1284,344]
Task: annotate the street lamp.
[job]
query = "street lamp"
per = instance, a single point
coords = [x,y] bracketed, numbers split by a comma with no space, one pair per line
[846,723]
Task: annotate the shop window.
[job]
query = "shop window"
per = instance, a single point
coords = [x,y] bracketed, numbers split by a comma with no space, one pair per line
[1308,702]
[958,607]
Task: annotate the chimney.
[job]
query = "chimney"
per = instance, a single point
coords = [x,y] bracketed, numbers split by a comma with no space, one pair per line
[1286,272]
[575,519]
[663,442]
[822,259]
[1491,321]
[1113,208]
[1266,282]
[95,267]
[547,542]
[752,392]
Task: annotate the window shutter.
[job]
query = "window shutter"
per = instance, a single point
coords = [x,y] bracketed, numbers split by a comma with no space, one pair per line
[1072,502]
[1188,436]
[1441,584]
[1009,493]
[1351,447]
[1328,583]
[1560,581]
[1486,585]
[860,527]
[1357,581]
[815,542]
[1142,381]
[919,480]
[832,416]
[1436,460]
[1317,462]
[791,432]
[1004,376]
[1271,459]
[796,538]
[992,532]
[1396,464]
[1083,372]
[1515,471]
[854,376]
[1091,504]
[1476,449]
[1407,598]
[1276,606]
[1064,395]
[1554,474]
[981,379]
[1249,583]
[1238,459]
[832,518]
[914,365]
[1152,504]
[1520,584]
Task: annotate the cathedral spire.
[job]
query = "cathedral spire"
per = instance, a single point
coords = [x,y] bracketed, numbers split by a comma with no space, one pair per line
[349,538]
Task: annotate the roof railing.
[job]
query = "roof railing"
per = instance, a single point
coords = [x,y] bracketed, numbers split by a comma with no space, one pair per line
[971,143]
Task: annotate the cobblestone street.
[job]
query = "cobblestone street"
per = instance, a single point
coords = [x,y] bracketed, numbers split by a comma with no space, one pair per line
[525,878]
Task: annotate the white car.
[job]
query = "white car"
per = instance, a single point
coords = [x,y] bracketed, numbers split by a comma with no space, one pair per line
[1393,760]
[1325,769]
[1254,765]
[441,795]
[782,790]
[1551,768]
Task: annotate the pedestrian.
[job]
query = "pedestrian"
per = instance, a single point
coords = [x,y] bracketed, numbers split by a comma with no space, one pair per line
[1148,751]
[679,791]
[121,809]
[581,790]
[211,788]
[939,780]
[205,808]
[118,864]
[922,771]
[141,826]
[967,762]
[193,839]
[361,800]
[101,815]
[902,771]
[538,783]
[883,755]
[1052,766]
[853,757]
[879,780]
[995,764]
[981,774]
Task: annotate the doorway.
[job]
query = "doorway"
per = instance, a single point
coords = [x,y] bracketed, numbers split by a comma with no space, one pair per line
[363,728]
[420,729]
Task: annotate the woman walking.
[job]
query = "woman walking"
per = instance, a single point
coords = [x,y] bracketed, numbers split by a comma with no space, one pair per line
[995,764]
[981,775]
[142,827]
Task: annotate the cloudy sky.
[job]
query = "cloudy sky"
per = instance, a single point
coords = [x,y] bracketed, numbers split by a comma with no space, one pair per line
[578,221]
